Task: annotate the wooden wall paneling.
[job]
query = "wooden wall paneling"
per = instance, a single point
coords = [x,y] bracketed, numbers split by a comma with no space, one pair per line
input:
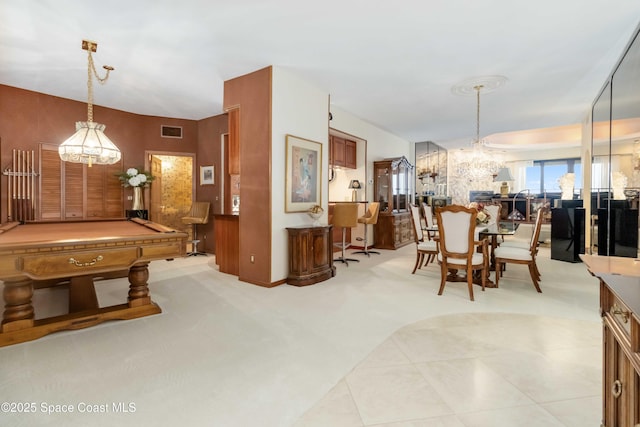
[234,141]
[73,190]
[95,191]
[76,191]
[104,191]
[50,192]
[113,193]
[252,93]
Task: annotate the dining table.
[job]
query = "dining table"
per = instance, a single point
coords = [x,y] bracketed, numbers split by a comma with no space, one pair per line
[492,232]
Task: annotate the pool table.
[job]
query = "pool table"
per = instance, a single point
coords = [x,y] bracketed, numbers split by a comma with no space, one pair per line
[76,253]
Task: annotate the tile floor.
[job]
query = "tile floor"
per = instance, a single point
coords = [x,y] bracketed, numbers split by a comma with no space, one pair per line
[373,346]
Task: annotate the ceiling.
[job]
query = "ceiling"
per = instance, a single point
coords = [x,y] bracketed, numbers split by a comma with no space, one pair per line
[390,63]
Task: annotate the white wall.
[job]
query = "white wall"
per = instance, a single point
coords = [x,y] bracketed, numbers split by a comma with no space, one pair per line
[299,109]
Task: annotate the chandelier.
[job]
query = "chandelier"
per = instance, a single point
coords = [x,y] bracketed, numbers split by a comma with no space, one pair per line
[89,144]
[479,164]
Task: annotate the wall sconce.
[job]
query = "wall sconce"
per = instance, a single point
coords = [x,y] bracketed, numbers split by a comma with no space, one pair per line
[354,185]
[89,144]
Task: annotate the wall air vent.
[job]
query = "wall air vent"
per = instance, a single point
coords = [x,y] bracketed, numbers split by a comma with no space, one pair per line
[171,131]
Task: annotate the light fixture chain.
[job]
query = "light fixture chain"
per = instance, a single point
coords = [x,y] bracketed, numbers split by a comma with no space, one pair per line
[91,71]
[90,88]
[478,88]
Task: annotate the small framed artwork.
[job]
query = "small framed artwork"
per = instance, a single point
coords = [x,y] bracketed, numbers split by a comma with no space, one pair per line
[303,179]
[206,175]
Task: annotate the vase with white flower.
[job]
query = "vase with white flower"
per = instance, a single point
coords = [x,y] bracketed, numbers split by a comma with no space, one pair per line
[136,179]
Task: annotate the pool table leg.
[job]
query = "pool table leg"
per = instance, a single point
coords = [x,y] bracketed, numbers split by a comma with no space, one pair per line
[18,310]
[138,285]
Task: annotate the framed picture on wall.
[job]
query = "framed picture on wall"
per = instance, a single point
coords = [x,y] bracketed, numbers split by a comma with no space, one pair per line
[303,179]
[206,175]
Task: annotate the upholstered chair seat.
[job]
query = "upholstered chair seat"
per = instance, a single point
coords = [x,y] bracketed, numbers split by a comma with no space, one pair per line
[345,215]
[424,246]
[369,218]
[198,214]
[517,255]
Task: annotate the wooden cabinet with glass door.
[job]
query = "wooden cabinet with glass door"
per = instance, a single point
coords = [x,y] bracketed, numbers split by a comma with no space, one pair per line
[393,189]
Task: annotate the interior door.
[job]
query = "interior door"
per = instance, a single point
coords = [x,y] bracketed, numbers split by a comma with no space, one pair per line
[156,205]
[171,191]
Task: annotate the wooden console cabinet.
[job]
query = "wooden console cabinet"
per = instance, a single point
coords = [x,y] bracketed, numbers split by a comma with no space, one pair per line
[393,231]
[620,311]
[310,255]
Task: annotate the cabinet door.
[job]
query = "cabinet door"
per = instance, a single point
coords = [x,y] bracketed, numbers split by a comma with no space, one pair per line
[300,243]
[401,188]
[635,397]
[350,149]
[73,188]
[320,249]
[382,189]
[617,384]
[234,141]
[338,150]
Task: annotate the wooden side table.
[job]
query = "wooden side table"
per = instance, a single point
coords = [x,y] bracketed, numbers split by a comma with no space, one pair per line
[310,255]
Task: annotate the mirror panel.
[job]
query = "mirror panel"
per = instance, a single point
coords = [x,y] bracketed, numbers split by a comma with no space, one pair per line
[431,172]
[614,175]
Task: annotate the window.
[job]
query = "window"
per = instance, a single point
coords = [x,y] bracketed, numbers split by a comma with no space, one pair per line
[543,176]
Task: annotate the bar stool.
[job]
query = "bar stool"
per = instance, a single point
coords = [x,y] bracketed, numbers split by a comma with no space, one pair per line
[370,217]
[198,214]
[345,215]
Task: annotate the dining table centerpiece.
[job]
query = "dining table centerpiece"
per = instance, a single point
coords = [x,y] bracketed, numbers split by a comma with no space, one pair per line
[483,216]
[137,179]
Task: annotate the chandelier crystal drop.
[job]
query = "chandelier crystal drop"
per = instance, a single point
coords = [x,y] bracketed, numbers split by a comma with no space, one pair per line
[478,163]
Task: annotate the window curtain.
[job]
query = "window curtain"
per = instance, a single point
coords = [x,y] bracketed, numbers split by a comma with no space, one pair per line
[519,172]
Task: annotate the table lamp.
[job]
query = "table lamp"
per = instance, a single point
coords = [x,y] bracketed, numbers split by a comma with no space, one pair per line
[504,175]
[354,185]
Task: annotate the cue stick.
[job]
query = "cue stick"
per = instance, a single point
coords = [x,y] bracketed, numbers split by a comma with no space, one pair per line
[13,186]
[9,196]
[27,192]
[19,193]
[28,175]
[33,185]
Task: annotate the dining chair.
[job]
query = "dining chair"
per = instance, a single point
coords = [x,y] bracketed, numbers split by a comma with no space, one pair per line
[494,213]
[424,246]
[527,256]
[427,212]
[524,244]
[457,246]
